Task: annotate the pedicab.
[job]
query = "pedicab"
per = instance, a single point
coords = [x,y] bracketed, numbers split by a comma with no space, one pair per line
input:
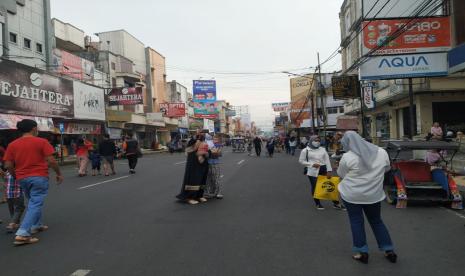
[419,180]
[238,144]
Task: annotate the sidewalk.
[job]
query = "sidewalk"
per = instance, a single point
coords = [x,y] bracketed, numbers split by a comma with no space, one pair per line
[72,159]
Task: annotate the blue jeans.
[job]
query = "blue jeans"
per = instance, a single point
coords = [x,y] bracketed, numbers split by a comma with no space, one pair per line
[293,151]
[35,189]
[357,224]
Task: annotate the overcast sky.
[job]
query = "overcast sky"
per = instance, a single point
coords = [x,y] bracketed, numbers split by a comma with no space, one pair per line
[203,38]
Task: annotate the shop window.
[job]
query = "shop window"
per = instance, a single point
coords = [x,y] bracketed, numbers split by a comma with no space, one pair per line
[333,110]
[39,48]
[27,43]
[14,38]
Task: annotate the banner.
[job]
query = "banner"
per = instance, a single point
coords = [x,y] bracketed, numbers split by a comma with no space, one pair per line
[89,102]
[9,121]
[173,110]
[345,87]
[204,91]
[209,125]
[33,92]
[423,35]
[125,96]
[155,119]
[77,128]
[206,110]
[279,107]
[404,66]
[300,104]
[457,59]
[368,95]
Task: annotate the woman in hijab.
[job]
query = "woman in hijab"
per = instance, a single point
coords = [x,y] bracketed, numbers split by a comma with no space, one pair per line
[316,159]
[212,189]
[362,170]
[270,147]
[195,175]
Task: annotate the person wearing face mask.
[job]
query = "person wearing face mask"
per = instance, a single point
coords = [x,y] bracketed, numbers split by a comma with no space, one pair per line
[316,159]
[362,170]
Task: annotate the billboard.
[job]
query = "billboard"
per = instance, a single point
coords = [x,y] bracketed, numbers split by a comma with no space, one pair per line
[457,59]
[206,110]
[173,110]
[345,87]
[404,66]
[423,35]
[280,107]
[300,105]
[9,121]
[30,91]
[204,91]
[125,96]
[395,9]
[89,102]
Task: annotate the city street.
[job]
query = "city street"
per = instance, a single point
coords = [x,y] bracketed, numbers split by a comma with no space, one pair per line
[265,225]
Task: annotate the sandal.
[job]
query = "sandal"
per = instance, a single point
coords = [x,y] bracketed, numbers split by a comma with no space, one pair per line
[361,257]
[192,202]
[19,240]
[203,200]
[12,227]
[42,228]
[391,256]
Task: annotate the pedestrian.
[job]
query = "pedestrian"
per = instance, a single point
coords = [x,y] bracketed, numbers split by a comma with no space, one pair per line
[132,151]
[96,161]
[195,175]
[362,170]
[258,145]
[28,159]
[293,145]
[15,200]
[287,144]
[316,159]
[270,146]
[107,150]
[3,190]
[249,146]
[436,132]
[212,189]
[82,153]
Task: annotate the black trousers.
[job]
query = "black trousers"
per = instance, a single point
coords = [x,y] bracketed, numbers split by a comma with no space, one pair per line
[313,181]
[132,160]
[258,150]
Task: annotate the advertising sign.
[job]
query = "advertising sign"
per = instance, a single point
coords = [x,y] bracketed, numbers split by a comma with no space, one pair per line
[231,113]
[204,91]
[404,66]
[30,91]
[9,121]
[279,107]
[77,128]
[125,96]
[206,110]
[67,64]
[423,35]
[300,105]
[345,87]
[209,125]
[173,110]
[89,102]
[155,119]
[457,59]
[368,96]
[395,9]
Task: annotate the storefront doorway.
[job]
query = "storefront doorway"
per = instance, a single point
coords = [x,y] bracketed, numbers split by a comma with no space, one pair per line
[450,115]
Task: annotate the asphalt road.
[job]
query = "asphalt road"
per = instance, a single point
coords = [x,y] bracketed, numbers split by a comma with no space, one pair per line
[265,225]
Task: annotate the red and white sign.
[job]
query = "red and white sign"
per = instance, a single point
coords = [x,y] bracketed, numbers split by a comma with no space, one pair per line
[280,107]
[422,35]
[173,110]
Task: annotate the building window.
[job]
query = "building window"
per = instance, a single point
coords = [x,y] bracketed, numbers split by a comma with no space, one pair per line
[341,109]
[13,38]
[113,82]
[27,43]
[113,66]
[333,110]
[39,48]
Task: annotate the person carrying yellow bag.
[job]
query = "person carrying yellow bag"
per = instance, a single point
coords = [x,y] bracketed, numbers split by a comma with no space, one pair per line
[316,161]
[326,188]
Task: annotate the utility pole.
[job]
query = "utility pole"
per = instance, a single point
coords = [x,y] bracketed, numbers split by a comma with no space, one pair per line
[321,89]
[312,109]
[411,111]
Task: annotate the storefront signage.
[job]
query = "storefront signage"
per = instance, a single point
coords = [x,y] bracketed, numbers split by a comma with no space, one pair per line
[204,91]
[345,87]
[279,107]
[457,59]
[404,66]
[125,96]
[156,119]
[173,110]
[9,121]
[89,102]
[31,91]
[368,95]
[206,110]
[77,128]
[421,35]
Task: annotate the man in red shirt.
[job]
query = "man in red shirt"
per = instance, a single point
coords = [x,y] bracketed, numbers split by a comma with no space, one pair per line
[28,159]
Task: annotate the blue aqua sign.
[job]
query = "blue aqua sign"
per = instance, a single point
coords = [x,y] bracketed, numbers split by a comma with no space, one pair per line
[204,91]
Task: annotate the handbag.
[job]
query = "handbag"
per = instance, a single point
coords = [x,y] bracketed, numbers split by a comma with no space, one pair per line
[326,188]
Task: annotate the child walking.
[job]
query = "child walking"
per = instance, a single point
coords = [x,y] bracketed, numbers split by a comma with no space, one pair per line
[96,160]
[15,199]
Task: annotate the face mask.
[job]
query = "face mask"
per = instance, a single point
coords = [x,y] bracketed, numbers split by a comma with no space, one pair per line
[316,144]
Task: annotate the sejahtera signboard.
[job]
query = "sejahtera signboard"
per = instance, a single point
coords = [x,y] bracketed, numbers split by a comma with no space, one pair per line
[404,66]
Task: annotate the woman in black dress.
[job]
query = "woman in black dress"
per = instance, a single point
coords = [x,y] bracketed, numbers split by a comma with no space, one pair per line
[195,176]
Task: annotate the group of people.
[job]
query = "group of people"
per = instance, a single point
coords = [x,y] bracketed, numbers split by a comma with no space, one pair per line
[362,169]
[202,173]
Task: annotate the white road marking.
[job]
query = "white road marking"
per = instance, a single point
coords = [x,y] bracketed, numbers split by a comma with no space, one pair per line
[180,163]
[103,182]
[81,272]
[240,162]
[454,212]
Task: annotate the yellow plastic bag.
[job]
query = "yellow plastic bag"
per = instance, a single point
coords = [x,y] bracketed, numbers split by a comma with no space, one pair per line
[326,188]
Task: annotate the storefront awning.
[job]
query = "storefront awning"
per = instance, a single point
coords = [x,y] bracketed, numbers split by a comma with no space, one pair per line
[9,121]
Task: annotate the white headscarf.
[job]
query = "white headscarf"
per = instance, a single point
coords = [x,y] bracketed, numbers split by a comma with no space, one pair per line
[366,151]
